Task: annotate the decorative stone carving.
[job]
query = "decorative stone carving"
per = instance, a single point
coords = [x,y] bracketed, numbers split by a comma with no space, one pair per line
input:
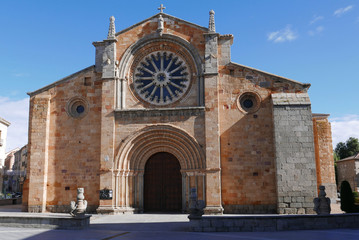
[211,25]
[156,112]
[160,25]
[322,203]
[195,206]
[111,29]
[161,78]
[78,209]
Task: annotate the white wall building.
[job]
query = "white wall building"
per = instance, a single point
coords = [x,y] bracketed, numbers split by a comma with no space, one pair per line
[3,134]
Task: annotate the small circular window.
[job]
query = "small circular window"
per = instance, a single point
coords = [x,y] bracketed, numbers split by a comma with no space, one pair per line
[77,107]
[80,109]
[248,102]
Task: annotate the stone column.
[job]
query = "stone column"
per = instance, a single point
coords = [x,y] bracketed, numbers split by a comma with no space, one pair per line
[106,63]
[140,191]
[183,192]
[39,127]
[324,155]
[213,160]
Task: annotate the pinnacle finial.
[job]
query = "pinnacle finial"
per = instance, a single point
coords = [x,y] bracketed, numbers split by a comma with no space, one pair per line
[111,29]
[211,26]
[161,8]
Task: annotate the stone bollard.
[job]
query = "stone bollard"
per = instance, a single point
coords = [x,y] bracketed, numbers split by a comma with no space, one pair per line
[322,203]
[78,209]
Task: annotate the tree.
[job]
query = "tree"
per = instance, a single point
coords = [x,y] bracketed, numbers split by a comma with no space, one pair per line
[346,198]
[347,149]
[336,158]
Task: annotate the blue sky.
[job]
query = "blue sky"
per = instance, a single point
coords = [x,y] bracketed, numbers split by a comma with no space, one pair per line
[309,41]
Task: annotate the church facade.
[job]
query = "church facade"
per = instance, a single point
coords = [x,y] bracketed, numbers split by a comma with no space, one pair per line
[164,110]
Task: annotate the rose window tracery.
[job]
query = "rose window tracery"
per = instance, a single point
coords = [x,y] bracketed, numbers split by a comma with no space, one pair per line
[161,78]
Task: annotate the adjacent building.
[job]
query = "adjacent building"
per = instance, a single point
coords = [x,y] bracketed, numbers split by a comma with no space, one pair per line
[3,135]
[14,170]
[348,170]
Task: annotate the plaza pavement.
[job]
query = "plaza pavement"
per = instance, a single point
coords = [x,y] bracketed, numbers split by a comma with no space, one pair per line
[159,226]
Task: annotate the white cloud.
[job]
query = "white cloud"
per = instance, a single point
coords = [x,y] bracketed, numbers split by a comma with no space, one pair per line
[283,35]
[17,113]
[344,127]
[316,19]
[339,12]
[317,30]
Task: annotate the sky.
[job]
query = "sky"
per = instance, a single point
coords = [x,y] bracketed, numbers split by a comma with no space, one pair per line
[308,41]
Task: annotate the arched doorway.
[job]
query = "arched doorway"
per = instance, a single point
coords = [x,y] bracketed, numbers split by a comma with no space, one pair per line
[162,184]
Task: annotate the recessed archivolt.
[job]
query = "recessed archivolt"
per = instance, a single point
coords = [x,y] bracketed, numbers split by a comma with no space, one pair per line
[126,60]
[138,148]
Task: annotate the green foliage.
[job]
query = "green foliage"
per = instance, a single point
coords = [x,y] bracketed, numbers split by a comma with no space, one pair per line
[347,149]
[335,156]
[356,197]
[346,198]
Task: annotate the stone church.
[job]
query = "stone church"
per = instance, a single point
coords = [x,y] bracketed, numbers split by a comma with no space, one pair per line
[165,110]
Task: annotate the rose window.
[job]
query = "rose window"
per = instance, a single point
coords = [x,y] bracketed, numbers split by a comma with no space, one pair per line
[161,78]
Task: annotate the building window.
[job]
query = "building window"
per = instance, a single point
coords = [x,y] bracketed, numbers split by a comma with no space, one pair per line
[248,102]
[161,78]
[77,107]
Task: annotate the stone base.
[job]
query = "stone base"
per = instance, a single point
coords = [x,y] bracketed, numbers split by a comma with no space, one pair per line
[35,209]
[47,220]
[250,209]
[213,210]
[270,223]
[114,211]
[293,210]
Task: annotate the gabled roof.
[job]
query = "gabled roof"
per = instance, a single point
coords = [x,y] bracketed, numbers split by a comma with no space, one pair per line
[354,157]
[304,85]
[65,79]
[164,15]
[3,121]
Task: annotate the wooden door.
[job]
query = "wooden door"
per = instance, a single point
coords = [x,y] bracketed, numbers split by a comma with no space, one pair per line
[163,184]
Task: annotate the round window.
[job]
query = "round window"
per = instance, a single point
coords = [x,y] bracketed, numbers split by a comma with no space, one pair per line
[248,102]
[161,78]
[80,109]
[77,107]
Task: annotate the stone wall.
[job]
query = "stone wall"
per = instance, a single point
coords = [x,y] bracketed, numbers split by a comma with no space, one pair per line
[247,147]
[295,156]
[324,154]
[274,223]
[63,150]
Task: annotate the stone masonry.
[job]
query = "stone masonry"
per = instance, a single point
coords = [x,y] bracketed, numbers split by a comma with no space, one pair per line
[324,155]
[295,159]
[243,138]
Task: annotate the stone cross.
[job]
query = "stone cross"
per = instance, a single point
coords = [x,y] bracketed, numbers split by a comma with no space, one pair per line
[161,8]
